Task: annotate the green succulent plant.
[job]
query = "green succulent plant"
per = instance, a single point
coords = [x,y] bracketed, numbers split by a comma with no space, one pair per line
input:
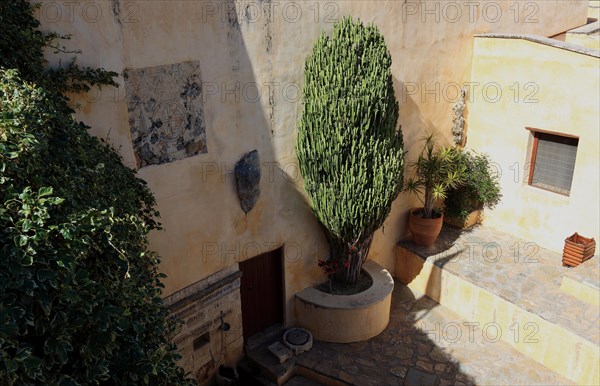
[349,149]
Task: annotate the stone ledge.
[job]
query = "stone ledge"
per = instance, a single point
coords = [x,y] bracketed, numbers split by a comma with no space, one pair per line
[586,29]
[546,41]
[347,318]
[203,288]
[552,345]
[383,285]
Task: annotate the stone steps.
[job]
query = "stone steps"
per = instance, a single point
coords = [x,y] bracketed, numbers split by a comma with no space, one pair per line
[425,344]
[500,283]
[479,352]
[252,374]
[258,354]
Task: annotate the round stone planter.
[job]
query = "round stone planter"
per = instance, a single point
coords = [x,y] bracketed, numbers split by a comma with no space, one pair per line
[347,318]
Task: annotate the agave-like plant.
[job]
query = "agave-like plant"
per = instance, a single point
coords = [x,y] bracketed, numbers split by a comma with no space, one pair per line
[435,171]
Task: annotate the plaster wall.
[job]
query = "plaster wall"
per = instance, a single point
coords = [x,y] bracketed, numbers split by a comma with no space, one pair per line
[588,41]
[251,55]
[594,9]
[546,88]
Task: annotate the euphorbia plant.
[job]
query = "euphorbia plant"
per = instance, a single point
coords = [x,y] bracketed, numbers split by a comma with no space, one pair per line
[435,171]
[349,149]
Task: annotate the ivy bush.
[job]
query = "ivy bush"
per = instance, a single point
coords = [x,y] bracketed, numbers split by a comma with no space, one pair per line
[79,291]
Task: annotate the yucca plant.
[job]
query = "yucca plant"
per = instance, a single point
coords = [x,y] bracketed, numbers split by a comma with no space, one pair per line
[436,171]
[349,149]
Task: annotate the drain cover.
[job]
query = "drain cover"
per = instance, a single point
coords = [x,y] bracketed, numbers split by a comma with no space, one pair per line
[298,340]
[298,337]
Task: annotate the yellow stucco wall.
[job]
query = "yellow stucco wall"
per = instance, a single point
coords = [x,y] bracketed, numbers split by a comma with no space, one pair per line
[558,91]
[594,9]
[204,227]
[588,41]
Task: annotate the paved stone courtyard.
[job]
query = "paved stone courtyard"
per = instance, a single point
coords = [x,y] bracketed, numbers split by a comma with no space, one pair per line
[427,343]
[419,338]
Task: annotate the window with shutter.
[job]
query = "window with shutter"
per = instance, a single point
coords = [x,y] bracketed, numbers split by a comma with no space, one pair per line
[553,162]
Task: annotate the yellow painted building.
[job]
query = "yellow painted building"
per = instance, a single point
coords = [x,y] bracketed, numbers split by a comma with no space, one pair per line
[536,114]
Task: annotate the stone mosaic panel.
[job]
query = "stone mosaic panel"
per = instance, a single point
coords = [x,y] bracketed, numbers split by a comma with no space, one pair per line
[166,118]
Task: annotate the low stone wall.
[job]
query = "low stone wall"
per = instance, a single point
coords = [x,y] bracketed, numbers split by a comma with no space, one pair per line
[347,318]
[204,307]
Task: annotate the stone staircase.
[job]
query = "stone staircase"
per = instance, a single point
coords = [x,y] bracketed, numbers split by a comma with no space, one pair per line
[516,293]
[263,365]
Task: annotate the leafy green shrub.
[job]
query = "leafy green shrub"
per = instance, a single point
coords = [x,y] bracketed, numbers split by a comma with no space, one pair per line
[479,189]
[79,292]
[350,152]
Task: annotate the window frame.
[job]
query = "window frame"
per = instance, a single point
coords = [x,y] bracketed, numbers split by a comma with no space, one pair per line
[536,133]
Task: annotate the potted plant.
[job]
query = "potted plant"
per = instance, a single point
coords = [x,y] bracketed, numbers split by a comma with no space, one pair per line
[480,188]
[349,148]
[435,172]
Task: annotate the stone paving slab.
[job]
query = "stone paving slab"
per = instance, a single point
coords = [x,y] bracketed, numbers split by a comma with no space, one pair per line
[301,381]
[419,337]
[516,270]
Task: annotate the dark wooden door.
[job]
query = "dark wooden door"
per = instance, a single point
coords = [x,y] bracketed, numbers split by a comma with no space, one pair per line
[262,292]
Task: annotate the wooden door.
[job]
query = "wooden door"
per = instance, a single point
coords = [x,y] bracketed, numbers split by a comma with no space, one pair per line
[262,292]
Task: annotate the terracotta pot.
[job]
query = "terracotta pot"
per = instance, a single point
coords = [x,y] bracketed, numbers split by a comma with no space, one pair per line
[424,230]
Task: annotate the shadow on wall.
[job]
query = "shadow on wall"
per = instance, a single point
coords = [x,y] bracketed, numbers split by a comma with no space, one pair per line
[414,128]
[410,262]
[281,211]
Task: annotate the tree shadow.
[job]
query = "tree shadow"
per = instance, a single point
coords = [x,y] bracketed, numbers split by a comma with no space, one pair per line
[403,354]
[412,258]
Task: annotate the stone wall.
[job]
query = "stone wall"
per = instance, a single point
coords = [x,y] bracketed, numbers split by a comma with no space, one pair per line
[212,331]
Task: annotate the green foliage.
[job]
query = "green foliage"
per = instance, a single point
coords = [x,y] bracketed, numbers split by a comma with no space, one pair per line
[435,172]
[350,153]
[22,47]
[79,292]
[479,189]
